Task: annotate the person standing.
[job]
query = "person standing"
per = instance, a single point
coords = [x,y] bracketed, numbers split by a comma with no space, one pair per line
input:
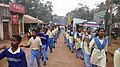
[98,57]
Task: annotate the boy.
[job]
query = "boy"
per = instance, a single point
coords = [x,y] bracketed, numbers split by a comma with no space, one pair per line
[51,38]
[35,52]
[44,39]
[15,55]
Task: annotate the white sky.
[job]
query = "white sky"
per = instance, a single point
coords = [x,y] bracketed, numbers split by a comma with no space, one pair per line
[61,7]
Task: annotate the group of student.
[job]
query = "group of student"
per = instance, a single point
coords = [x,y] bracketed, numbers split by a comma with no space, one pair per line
[38,44]
[92,46]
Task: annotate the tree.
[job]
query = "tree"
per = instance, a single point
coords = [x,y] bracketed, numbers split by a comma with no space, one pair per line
[36,8]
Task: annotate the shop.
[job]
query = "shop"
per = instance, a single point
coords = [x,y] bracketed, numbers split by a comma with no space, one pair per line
[17,12]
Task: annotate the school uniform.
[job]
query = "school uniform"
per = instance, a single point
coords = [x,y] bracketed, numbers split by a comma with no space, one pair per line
[86,49]
[65,41]
[78,37]
[44,40]
[117,58]
[15,59]
[98,57]
[51,40]
[71,35]
[56,34]
[34,52]
[67,37]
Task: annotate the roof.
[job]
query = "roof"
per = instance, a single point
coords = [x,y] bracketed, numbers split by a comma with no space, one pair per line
[3,5]
[29,19]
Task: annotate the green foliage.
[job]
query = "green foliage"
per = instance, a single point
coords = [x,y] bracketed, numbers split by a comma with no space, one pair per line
[36,8]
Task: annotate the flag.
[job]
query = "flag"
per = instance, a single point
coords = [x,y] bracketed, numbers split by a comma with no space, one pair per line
[69,20]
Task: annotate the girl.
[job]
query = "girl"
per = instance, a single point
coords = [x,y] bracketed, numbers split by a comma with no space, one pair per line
[77,38]
[98,57]
[86,39]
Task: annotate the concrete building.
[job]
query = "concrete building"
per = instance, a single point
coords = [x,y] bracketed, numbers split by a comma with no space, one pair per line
[4,21]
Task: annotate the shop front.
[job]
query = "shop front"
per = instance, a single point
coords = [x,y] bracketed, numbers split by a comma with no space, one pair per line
[17,13]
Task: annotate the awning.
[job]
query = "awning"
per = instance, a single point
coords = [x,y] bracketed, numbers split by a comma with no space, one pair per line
[29,19]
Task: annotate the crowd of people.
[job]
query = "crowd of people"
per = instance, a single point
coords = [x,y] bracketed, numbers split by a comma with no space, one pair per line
[38,42]
[92,47]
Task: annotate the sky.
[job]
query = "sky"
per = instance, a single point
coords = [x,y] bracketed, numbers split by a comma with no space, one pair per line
[62,7]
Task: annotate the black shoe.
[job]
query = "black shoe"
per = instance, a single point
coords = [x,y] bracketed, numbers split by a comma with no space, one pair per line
[47,58]
[72,51]
[82,58]
[50,51]
[44,64]
[54,47]
[77,57]
[42,58]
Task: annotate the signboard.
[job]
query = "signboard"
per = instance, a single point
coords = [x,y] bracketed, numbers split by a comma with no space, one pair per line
[14,19]
[16,8]
[6,20]
[100,16]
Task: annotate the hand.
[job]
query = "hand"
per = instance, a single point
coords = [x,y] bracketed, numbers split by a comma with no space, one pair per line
[40,56]
[86,39]
[3,47]
[21,46]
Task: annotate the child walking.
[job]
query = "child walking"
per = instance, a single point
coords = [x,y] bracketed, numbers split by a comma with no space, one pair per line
[86,39]
[98,57]
[44,39]
[15,55]
[35,52]
[78,38]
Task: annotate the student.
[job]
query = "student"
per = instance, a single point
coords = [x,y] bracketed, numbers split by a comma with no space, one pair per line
[78,38]
[44,39]
[117,58]
[64,34]
[35,52]
[86,39]
[98,57]
[51,38]
[15,55]
[71,35]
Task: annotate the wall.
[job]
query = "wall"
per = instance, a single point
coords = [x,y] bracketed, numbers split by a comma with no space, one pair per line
[1,31]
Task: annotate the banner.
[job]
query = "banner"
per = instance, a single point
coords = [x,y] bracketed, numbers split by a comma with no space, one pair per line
[14,19]
[16,8]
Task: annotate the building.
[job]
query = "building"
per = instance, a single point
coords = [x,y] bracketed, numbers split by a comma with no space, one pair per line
[30,22]
[16,25]
[4,21]
[11,20]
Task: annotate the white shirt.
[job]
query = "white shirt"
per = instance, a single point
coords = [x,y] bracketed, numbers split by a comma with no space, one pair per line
[35,43]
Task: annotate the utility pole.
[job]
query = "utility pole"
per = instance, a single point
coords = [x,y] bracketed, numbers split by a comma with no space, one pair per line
[110,29]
